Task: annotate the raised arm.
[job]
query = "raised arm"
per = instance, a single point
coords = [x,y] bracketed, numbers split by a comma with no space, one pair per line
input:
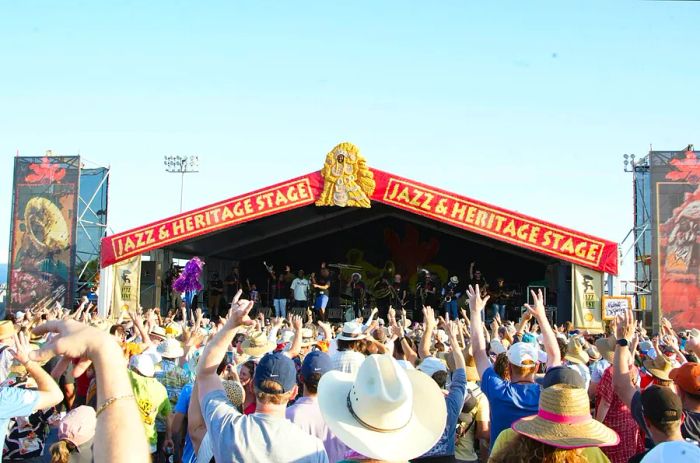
[115,399]
[430,324]
[549,339]
[296,342]
[218,345]
[622,382]
[478,341]
[49,392]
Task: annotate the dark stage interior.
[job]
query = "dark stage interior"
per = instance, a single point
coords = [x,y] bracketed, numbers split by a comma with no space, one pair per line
[382,239]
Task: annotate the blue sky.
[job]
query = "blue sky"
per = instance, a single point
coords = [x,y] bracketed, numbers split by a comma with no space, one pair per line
[528,105]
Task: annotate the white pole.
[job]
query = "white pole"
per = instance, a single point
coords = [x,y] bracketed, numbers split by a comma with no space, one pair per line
[106,291]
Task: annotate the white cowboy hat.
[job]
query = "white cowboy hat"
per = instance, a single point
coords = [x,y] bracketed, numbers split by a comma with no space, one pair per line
[383,411]
[352,331]
[454,280]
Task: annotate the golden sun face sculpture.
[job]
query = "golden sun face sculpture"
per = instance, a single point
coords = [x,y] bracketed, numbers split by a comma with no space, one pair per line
[347,181]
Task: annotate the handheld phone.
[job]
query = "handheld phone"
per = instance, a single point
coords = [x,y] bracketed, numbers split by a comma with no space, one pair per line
[229,357]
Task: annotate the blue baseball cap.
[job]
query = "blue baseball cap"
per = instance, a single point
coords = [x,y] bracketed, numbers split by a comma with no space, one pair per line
[278,368]
[316,362]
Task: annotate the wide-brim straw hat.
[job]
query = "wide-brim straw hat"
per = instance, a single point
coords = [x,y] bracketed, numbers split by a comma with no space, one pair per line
[659,367]
[564,421]
[606,347]
[575,353]
[234,392]
[383,411]
[258,345]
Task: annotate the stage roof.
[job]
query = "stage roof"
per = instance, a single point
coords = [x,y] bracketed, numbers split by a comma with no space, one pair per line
[351,193]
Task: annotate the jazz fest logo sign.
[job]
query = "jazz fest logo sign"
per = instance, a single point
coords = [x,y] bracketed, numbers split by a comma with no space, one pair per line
[496,223]
[205,220]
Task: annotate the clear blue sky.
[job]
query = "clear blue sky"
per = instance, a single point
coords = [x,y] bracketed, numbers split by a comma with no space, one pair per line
[528,105]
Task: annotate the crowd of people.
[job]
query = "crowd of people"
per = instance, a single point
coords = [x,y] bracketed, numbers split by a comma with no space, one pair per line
[181,387]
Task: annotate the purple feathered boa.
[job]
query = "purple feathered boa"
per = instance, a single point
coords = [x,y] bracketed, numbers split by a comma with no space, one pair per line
[189,278]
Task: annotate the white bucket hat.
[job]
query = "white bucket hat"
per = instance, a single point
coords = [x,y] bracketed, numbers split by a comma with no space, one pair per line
[143,363]
[431,365]
[170,349]
[352,331]
[383,411]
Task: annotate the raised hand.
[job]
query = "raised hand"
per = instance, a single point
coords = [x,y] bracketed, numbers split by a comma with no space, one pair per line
[297,322]
[238,315]
[537,310]
[624,326]
[429,317]
[476,302]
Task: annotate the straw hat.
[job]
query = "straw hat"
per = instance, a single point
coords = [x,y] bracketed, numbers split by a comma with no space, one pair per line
[593,353]
[383,411]
[258,345]
[173,329]
[7,329]
[606,347]
[158,332]
[234,392]
[564,421]
[575,353]
[659,367]
[352,331]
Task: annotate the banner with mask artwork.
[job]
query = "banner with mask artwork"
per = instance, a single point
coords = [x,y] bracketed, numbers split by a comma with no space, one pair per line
[675,196]
[127,285]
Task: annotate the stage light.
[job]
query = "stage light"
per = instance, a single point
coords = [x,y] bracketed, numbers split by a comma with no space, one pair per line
[181,165]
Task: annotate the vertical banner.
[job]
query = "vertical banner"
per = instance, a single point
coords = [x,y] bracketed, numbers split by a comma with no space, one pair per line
[127,285]
[675,191]
[42,233]
[588,294]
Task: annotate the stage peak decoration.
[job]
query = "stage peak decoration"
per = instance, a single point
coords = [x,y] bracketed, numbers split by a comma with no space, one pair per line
[347,181]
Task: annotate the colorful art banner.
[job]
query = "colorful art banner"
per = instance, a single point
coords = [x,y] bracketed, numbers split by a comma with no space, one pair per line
[675,195]
[468,214]
[127,285]
[42,235]
[587,295]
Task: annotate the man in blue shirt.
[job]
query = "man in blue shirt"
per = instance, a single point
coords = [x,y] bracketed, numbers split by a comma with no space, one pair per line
[519,397]
[24,402]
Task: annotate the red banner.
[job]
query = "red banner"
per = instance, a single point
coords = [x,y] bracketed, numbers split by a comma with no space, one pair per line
[517,229]
[461,212]
[285,196]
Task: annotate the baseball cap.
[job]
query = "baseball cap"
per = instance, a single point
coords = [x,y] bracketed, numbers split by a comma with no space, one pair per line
[562,375]
[316,362]
[78,426]
[278,368]
[522,351]
[687,377]
[675,451]
[661,404]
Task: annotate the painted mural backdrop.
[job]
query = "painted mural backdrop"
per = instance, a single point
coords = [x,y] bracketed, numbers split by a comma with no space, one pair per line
[675,178]
[42,242]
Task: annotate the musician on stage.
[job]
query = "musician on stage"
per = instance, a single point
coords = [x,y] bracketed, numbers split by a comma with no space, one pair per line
[232,283]
[300,290]
[216,290]
[383,294]
[450,295]
[501,295]
[321,284]
[400,296]
[358,290]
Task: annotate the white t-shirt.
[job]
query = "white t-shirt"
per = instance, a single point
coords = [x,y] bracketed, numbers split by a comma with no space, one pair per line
[300,287]
[257,437]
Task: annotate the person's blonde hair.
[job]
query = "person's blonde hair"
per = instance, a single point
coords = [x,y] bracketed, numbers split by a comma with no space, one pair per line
[277,398]
[60,451]
[525,450]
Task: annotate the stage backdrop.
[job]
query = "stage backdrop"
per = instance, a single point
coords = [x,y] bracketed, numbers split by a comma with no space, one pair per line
[588,293]
[42,241]
[675,192]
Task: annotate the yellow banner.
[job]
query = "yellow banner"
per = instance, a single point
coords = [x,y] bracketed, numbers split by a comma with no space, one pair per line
[588,294]
[127,285]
